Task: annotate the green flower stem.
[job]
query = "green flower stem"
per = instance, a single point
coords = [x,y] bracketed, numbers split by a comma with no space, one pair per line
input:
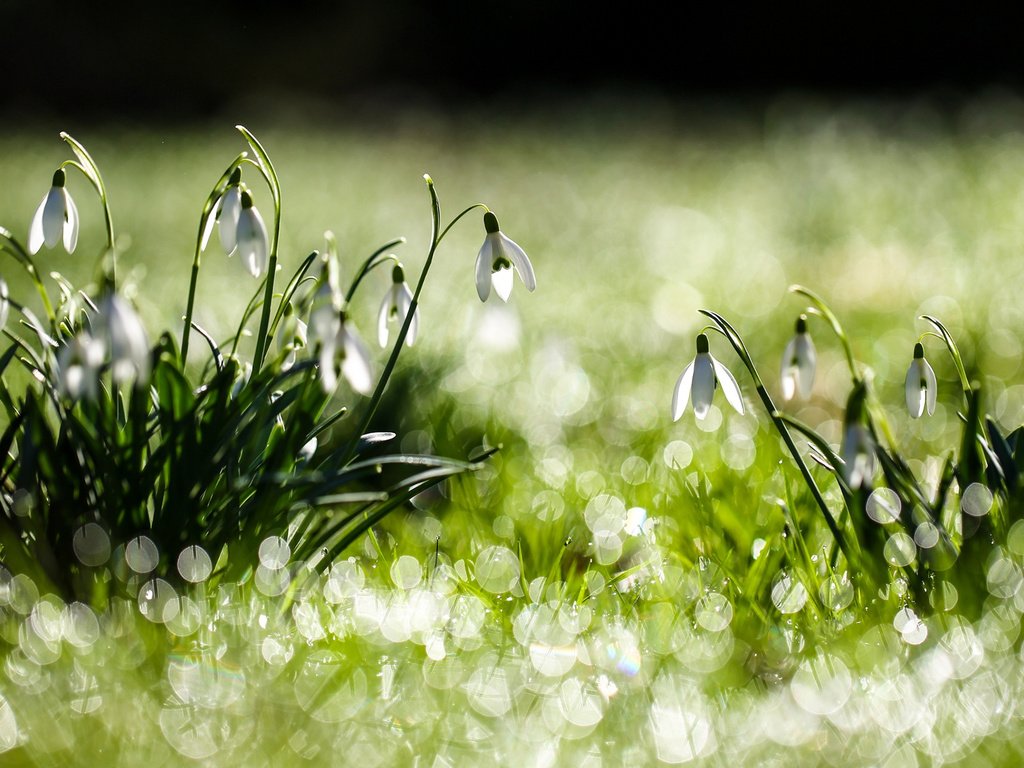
[91,171]
[734,338]
[267,168]
[375,260]
[954,352]
[822,309]
[211,201]
[11,246]
[436,235]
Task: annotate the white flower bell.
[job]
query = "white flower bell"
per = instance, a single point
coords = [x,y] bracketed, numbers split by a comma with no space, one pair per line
[55,219]
[78,367]
[920,385]
[798,363]
[225,213]
[120,330]
[395,307]
[858,448]
[497,258]
[699,380]
[348,354]
[252,242]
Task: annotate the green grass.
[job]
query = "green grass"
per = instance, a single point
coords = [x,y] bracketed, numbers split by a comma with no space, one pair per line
[524,617]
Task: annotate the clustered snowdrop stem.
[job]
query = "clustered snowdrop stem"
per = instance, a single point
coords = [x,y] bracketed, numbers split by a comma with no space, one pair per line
[954,353]
[91,171]
[376,258]
[205,225]
[436,236]
[822,309]
[267,169]
[730,333]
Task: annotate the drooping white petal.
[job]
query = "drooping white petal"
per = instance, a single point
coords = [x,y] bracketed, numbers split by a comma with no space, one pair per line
[384,315]
[520,261]
[328,374]
[681,394]
[36,237]
[798,364]
[808,362]
[78,366]
[502,281]
[703,388]
[70,224]
[483,269]
[915,390]
[931,385]
[857,453]
[790,370]
[355,366]
[120,327]
[727,382]
[54,212]
[210,221]
[228,218]
[404,305]
[252,242]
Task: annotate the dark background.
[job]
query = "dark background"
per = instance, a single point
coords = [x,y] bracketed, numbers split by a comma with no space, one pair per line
[192,60]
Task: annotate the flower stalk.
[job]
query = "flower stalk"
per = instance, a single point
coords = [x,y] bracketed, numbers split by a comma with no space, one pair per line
[780,425]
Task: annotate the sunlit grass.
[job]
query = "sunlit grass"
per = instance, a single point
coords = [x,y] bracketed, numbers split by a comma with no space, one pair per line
[613,588]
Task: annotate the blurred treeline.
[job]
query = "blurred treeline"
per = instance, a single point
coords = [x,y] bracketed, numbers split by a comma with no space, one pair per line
[191,60]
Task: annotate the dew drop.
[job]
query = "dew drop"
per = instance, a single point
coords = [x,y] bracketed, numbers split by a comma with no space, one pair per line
[91,545]
[900,550]
[406,572]
[713,612]
[141,554]
[194,564]
[274,553]
[497,570]
[976,500]
[883,506]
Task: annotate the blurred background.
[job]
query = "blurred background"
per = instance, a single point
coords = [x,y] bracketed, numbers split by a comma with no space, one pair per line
[652,159]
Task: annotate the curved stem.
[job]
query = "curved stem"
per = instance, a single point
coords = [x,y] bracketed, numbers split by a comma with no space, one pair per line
[826,312]
[452,223]
[780,426]
[371,263]
[267,168]
[954,352]
[92,172]
[378,392]
[204,222]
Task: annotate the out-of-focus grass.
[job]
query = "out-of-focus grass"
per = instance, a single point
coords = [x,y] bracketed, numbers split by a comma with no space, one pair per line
[632,225]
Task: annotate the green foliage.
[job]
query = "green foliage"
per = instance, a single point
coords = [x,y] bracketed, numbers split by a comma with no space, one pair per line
[102,428]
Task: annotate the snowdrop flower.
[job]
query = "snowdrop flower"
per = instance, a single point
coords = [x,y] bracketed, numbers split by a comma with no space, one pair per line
[858,448]
[291,336]
[225,213]
[699,379]
[252,241]
[78,367]
[348,354]
[496,260]
[395,307]
[55,218]
[920,385]
[798,363]
[121,331]
[326,304]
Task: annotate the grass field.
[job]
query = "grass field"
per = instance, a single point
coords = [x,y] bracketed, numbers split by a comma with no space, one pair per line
[612,587]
